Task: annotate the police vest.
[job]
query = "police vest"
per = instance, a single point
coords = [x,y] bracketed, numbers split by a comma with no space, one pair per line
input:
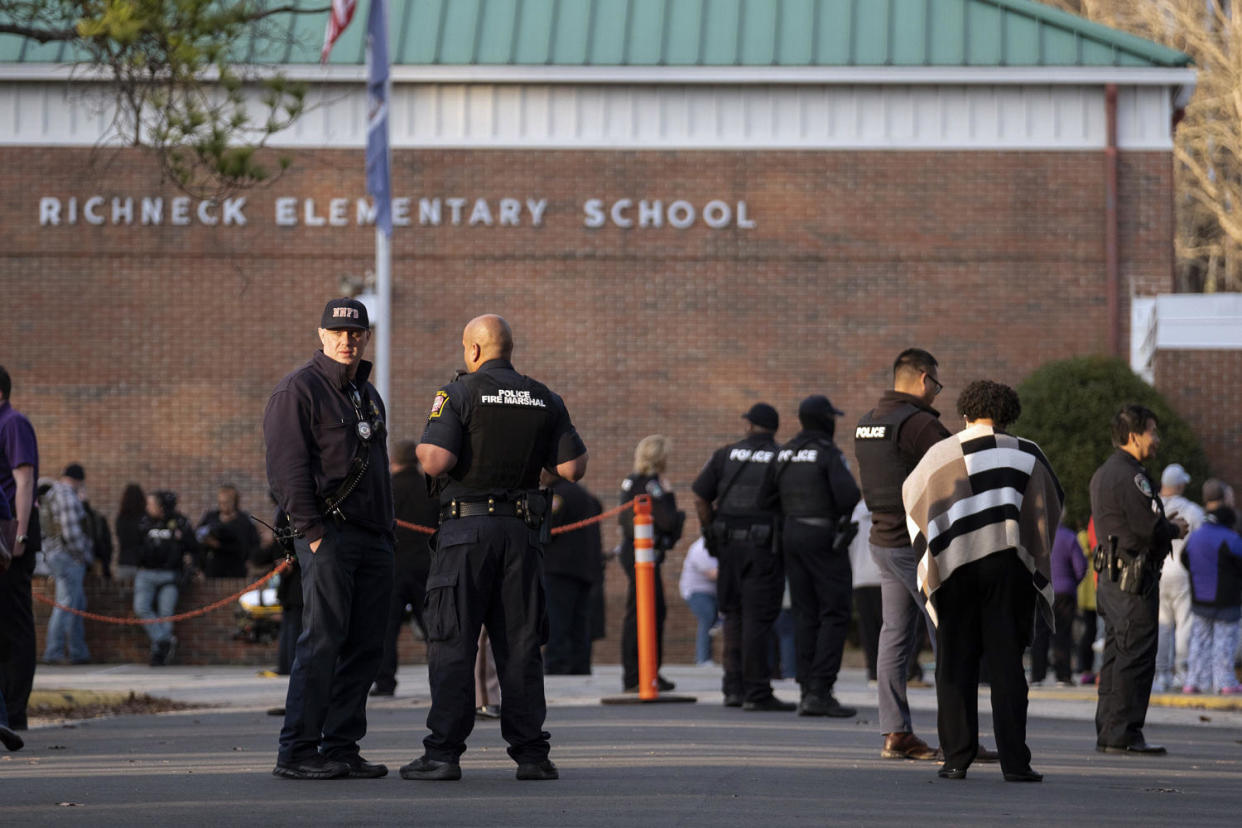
[882,468]
[805,491]
[746,465]
[508,433]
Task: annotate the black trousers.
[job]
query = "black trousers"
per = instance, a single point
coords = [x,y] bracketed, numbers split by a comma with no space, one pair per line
[18,628]
[750,582]
[629,625]
[819,591]
[1063,608]
[346,586]
[1131,630]
[409,588]
[869,602]
[569,626]
[986,610]
[486,570]
[1086,644]
[290,632]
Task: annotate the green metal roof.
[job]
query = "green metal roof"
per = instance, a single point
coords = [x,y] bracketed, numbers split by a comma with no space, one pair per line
[754,33]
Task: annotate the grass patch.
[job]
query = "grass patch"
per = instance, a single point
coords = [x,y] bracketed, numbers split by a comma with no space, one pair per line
[89,704]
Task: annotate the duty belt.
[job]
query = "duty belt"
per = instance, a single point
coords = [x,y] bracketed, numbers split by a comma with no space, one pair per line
[474,508]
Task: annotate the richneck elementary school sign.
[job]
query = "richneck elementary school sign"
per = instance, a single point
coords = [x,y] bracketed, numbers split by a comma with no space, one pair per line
[438,211]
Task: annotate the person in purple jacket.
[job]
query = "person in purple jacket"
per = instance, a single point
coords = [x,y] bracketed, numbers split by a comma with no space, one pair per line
[1069,566]
[1213,557]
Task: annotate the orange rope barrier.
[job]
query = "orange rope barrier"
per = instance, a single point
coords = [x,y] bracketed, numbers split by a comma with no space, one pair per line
[568,527]
[212,607]
[283,566]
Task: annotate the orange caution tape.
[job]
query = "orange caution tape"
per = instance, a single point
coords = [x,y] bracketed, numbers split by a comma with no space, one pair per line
[212,607]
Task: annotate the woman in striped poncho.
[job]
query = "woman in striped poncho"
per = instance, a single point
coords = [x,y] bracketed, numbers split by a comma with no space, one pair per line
[982,506]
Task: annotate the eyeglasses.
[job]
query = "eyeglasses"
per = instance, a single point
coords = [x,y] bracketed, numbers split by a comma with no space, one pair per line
[939,385]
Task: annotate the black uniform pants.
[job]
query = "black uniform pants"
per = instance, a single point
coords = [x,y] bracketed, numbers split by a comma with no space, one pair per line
[486,570]
[1064,606]
[17,629]
[750,583]
[820,582]
[346,586]
[409,588]
[1131,630]
[629,624]
[869,602]
[569,625]
[986,610]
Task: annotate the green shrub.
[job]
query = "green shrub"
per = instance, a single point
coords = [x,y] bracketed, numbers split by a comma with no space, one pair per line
[1067,407]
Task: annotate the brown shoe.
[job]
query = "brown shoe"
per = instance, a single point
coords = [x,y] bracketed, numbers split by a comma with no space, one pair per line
[908,746]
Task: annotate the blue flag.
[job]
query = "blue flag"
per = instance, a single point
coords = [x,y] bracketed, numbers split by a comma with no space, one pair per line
[379,178]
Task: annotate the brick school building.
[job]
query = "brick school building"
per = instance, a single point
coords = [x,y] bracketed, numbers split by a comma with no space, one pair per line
[681,208]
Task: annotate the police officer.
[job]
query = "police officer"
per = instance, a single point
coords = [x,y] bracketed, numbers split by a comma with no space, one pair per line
[412,504]
[488,436]
[751,577]
[650,463]
[889,442]
[1134,537]
[327,466]
[810,485]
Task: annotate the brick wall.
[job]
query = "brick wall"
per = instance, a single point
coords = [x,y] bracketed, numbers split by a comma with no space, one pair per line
[148,353]
[1205,387]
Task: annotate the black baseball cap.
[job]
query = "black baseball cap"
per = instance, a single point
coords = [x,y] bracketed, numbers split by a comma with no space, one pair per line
[345,313]
[818,406]
[764,416]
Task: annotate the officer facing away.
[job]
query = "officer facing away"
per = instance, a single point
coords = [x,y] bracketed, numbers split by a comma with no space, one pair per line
[751,578]
[488,436]
[1134,537]
[810,485]
[327,465]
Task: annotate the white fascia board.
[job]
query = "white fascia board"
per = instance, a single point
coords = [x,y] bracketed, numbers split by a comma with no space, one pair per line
[714,75]
[1198,321]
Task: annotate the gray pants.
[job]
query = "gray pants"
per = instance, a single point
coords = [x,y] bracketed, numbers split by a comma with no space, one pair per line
[899,635]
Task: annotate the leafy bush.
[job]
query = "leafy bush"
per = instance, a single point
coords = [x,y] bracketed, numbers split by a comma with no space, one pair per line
[1067,407]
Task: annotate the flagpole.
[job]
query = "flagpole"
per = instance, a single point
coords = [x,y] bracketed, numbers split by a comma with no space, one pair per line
[383,316]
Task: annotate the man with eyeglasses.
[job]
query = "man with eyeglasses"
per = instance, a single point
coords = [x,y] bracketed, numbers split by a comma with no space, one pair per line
[889,442]
[327,465]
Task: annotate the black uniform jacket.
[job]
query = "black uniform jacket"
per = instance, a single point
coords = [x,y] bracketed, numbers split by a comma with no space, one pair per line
[1125,505]
[311,430]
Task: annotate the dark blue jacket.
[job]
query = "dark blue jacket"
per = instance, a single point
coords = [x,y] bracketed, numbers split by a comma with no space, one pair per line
[1213,556]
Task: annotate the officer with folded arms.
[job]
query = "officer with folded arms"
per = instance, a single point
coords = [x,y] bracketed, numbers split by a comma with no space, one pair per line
[327,465]
[1134,537]
[488,436]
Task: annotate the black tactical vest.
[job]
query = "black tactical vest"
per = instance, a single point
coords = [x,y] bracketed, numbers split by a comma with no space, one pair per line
[508,433]
[746,465]
[882,468]
[805,491]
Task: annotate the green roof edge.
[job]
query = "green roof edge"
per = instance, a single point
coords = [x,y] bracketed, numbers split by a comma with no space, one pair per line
[1138,46]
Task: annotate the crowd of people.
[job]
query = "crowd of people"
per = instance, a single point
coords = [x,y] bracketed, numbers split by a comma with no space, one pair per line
[956,540]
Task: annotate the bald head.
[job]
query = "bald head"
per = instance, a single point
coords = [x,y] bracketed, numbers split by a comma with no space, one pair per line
[486,337]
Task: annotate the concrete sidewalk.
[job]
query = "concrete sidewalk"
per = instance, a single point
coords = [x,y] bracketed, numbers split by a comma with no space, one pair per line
[244,689]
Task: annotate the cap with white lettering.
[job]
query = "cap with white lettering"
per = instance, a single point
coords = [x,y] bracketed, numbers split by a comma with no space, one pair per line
[345,313]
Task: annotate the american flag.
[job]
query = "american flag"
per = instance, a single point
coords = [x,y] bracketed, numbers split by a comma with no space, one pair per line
[338,18]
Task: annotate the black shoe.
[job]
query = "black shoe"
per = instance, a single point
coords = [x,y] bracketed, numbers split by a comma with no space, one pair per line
[537,770]
[10,739]
[379,690]
[733,700]
[825,704]
[275,711]
[953,773]
[985,755]
[360,768]
[159,656]
[1137,747]
[770,703]
[663,684]
[1027,775]
[487,711]
[427,769]
[316,766]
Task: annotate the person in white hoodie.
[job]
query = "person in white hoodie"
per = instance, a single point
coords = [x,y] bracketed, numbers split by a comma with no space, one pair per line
[1173,644]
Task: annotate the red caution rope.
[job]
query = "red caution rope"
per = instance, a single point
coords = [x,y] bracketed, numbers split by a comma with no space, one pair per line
[568,527]
[212,607]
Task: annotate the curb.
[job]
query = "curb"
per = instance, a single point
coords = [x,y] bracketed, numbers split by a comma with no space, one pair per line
[1178,700]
